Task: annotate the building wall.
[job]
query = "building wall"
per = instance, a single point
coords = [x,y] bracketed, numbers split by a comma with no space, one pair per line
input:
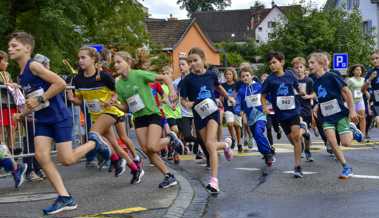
[275,15]
[193,38]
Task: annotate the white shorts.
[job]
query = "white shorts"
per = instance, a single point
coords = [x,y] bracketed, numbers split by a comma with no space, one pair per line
[230,117]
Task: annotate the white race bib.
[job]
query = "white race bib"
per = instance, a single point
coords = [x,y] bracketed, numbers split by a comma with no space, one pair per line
[357,94]
[330,108]
[206,108]
[376,94]
[253,100]
[285,102]
[135,103]
[94,106]
[36,93]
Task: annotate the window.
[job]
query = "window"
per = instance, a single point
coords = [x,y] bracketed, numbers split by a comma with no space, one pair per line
[349,4]
[367,27]
[271,24]
[356,4]
[257,41]
[260,29]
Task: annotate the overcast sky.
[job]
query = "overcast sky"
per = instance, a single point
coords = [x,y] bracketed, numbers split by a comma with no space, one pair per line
[163,8]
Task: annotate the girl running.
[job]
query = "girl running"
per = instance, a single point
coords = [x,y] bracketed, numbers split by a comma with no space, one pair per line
[198,93]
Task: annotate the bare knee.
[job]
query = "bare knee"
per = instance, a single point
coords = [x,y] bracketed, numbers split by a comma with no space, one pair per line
[66,161]
[43,158]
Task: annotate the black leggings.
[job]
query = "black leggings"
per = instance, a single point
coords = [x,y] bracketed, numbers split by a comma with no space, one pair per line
[272,122]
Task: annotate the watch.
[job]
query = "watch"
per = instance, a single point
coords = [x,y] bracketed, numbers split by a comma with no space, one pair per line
[40,99]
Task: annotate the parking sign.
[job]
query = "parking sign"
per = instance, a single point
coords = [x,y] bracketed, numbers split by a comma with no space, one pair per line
[340,61]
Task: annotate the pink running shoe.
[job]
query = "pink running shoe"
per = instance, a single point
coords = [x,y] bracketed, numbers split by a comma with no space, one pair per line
[228,152]
[212,187]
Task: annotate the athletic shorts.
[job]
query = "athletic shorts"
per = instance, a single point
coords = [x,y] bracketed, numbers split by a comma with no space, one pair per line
[172,122]
[341,127]
[201,123]
[287,124]
[147,120]
[59,132]
[118,119]
[231,117]
[359,105]
[307,119]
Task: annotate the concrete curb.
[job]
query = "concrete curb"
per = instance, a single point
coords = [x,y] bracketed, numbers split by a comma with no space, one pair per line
[183,199]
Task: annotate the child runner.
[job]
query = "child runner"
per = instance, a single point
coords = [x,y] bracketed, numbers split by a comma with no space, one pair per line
[332,92]
[233,120]
[97,88]
[136,96]
[305,101]
[372,82]
[280,86]
[355,84]
[249,100]
[53,121]
[198,92]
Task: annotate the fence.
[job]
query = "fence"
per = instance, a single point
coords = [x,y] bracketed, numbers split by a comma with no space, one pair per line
[19,136]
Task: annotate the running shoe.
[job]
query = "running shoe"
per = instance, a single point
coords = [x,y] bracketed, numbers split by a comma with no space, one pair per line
[240,148]
[298,173]
[61,203]
[308,156]
[101,146]
[212,187]
[228,153]
[268,159]
[347,172]
[137,176]
[176,158]
[168,181]
[19,175]
[175,142]
[120,167]
[357,134]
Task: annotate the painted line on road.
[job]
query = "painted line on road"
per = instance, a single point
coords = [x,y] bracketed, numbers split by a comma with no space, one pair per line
[114,212]
[247,169]
[304,172]
[365,176]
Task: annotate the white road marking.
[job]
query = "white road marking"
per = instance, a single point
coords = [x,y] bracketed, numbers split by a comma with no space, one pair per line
[304,172]
[247,169]
[365,176]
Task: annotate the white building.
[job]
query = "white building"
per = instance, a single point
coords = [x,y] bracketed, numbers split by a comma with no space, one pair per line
[369,10]
[266,26]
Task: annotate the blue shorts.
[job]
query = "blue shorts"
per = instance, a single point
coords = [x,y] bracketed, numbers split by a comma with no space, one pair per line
[60,132]
[201,123]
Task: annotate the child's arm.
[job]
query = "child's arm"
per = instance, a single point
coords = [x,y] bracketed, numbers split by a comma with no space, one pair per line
[223,93]
[348,97]
[264,103]
[167,80]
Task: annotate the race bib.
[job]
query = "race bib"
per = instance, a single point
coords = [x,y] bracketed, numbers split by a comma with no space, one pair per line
[357,94]
[253,100]
[330,108]
[285,102]
[376,94]
[94,106]
[135,103]
[206,108]
[36,93]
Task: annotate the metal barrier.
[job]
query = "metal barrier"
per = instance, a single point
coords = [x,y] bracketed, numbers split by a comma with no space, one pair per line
[19,138]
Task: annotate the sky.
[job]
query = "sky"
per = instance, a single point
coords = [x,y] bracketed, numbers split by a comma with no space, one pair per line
[163,8]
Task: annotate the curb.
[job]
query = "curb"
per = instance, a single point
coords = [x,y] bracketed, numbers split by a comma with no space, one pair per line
[183,199]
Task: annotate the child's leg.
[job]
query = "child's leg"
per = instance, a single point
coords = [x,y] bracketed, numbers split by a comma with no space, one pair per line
[295,138]
[258,130]
[121,131]
[332,139]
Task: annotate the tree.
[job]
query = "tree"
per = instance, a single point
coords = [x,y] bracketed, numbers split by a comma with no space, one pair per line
[200,5]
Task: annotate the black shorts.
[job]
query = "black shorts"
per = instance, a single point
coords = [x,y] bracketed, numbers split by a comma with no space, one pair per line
[118,119]
[172,122]
[286,124]
[201,123]
[307,119]
[145,121]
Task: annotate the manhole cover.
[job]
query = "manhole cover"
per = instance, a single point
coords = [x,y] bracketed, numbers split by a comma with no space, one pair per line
[16,198]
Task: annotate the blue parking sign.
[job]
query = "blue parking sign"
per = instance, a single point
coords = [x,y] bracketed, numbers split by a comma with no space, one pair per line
[340,61]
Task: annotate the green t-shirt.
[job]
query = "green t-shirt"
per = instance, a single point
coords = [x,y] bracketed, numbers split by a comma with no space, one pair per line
[355,86]
[168,111]
[137,83]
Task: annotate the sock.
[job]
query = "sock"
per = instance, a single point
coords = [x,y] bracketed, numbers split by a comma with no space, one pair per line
[115,157]
[133,167]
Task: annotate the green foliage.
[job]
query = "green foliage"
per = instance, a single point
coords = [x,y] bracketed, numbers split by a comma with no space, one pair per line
[61,27]
[200,5]
[247,51]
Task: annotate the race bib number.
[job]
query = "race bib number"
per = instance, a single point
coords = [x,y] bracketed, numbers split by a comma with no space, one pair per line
[253,100]
[94,106]
[357,94]
[285,102]
[303,87]
[206,108]
[36,93]
[376,94]
[135,103]
[330,108]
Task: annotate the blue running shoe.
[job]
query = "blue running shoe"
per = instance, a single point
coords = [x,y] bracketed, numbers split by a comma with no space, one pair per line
[347,172]
[19,175]
[101,146]
[176,143]
[357,134]
[60,204]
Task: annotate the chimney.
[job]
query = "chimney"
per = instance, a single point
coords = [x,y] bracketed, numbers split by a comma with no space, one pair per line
[172,17]
[273,4]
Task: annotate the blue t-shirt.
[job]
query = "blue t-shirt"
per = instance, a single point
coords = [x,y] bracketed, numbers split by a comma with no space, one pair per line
[305,104]
[56,111]
[199,87]
[328,90]
[253,109]
[281,89]
[231,90]
[374,85]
